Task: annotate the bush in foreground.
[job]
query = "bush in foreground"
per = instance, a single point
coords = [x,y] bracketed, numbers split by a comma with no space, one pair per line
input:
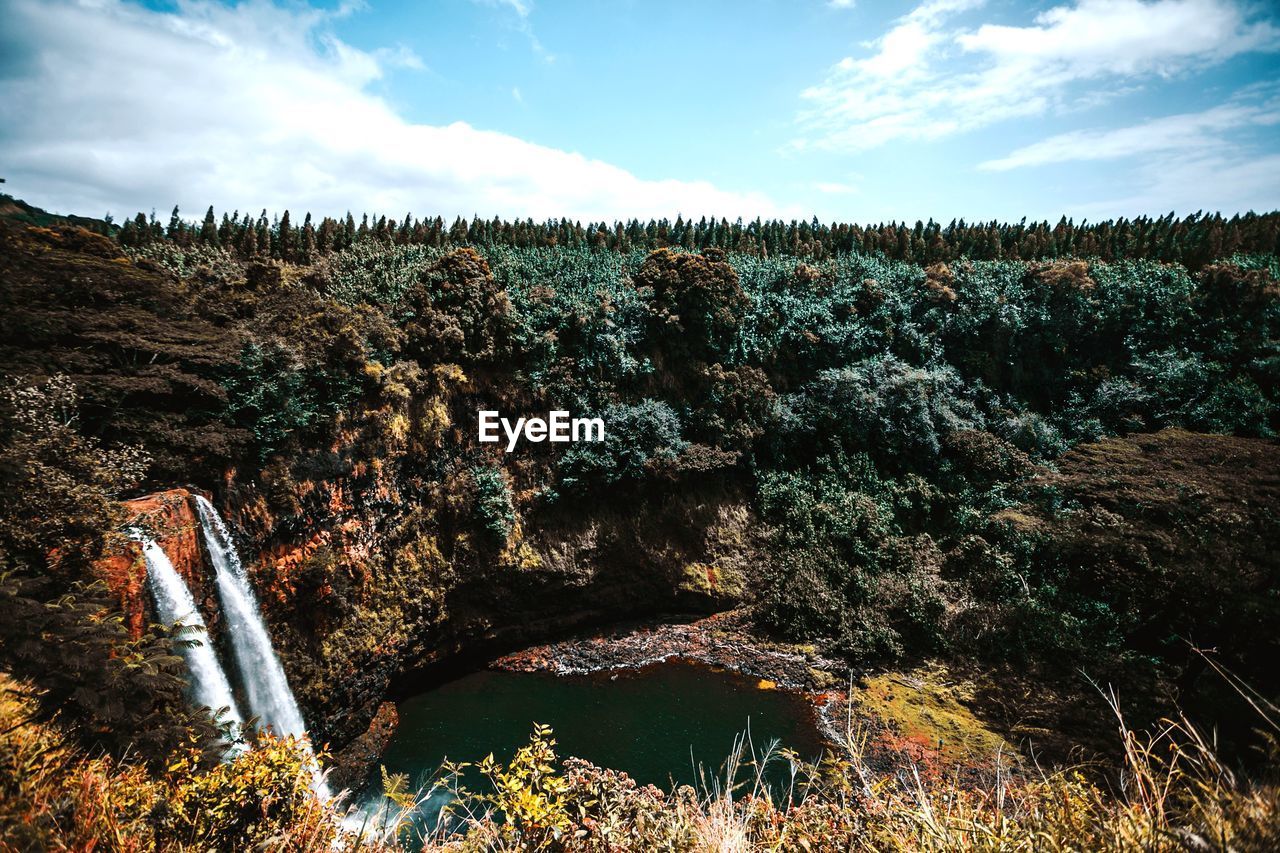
[1174,795]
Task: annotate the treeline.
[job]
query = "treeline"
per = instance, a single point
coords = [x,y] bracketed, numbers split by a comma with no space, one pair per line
[1191,240]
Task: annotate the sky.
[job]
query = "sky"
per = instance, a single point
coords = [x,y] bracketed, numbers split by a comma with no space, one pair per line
[848,110]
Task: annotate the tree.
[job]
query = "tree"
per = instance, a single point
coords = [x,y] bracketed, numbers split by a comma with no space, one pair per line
[457,312]
[307,250]
[209,229]
[284,241]
[695,304]
[177,230]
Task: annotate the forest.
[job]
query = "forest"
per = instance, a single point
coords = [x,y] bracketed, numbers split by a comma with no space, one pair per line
[1191,240]
[1042,455]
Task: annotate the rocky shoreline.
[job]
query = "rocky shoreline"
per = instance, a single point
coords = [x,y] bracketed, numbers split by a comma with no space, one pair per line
[894,720]
[724,640]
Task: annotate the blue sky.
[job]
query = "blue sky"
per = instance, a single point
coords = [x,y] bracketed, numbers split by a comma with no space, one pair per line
[860,110]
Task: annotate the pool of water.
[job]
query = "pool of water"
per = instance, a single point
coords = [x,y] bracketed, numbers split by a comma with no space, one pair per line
[659,724]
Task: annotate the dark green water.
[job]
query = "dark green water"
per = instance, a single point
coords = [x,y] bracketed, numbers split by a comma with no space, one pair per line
[655,724]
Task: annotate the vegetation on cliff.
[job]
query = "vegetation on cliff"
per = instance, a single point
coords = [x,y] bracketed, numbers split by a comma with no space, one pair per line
[1030,463]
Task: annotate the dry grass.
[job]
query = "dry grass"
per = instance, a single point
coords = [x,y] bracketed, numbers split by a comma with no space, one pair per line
[1173,793]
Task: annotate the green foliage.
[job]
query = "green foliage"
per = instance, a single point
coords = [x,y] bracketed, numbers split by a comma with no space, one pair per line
[695,305]
[457,313]
[843,565]
[1202,395]
[1192,241]
[494,511]
[115,693]
[60,627]
[184,261]
[897,413]
[639,439]
[259,797]
[272,397]
[373,273]
[525,805]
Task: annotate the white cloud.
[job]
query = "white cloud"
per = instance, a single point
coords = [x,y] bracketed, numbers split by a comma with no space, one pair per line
[841,4]
[1188,132]
[929,78]
[1100,37]
[105,105]
[1183,162]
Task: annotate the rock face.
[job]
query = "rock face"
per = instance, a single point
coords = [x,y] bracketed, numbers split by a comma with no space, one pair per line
[360,595]
[170,519]
[359,602]
[724,641]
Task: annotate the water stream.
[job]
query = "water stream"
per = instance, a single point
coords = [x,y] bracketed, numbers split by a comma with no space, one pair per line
[175,605]
[262,677]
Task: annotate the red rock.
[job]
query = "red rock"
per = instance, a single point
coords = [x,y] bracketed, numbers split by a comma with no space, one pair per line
[170,517]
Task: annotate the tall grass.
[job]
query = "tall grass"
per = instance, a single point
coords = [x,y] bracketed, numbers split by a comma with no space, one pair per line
[1172,792]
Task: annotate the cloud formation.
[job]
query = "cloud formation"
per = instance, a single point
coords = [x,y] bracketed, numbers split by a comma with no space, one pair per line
[106,105]
[928,77]
[1203,131]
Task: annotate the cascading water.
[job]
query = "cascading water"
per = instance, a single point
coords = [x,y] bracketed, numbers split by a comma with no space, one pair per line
[265,686]
[174,605]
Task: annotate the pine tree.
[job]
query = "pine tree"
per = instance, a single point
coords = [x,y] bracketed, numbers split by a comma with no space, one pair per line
[209,228]
[307,251]
[176,231]
[284,239]
[264,236]
[248,239]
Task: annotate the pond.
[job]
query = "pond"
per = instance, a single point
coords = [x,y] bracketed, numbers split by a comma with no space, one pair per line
[658,724]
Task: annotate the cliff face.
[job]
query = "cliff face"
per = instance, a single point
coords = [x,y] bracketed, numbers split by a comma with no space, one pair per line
[361,592]
[170,518]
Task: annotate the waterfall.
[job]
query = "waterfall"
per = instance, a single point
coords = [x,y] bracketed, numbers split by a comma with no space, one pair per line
[174,604]
[265,687]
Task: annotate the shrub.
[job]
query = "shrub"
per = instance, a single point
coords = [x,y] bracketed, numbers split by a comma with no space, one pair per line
[695,305]
[897,413]
[456,312]
[372,272]
[637,438]
[263,796]
[273,396]
[494,512]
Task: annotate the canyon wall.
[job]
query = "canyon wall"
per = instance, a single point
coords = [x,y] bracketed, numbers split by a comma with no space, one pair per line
[361,596]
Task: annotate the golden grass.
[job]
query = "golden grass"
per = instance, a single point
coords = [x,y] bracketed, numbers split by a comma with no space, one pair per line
[1172,793]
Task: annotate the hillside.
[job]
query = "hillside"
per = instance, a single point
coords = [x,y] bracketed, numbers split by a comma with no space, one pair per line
[1007,471]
